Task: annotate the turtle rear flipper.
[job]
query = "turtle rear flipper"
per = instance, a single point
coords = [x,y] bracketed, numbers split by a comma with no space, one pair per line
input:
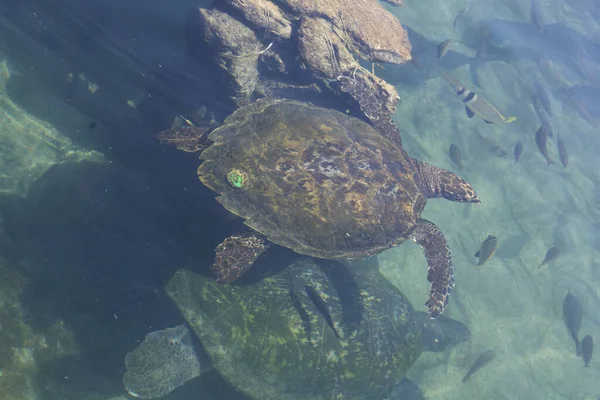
[440,272]
[236,254]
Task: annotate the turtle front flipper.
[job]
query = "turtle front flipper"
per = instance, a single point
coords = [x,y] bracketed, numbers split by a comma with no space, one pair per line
[440,272]
[437,182]
[236,254]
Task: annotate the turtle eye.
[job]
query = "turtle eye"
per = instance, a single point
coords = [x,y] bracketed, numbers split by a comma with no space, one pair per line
[237,178]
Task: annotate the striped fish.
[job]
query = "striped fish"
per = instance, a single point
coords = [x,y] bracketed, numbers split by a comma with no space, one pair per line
[476,105]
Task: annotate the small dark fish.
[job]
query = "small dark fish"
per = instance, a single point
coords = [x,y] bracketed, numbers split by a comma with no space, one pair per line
[562,152]
[478,61]
[443,48]
[541,95]
[538,16]
[587,349]
[572,315]
[552,72]
[441,333]
[542,116]
[407,390]
[518,151]
[580,106]
[321,305]
[474,71]
[541,139]
[455,156]
[481,361]
[491,145]
[487,249]
[498,151]
[304,317]
[588,68]
[458,16]
[551,255]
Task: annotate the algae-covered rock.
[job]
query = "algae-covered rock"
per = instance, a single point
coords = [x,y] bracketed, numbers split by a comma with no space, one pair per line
[312,331]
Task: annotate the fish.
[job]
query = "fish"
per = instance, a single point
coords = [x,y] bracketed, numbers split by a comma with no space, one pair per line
[454,154]
[587,349]
[541,139]
[555,72]
[517,42]
[498,151]
[304,317]
[481,361]
[425,55]
[480,55]
[572,315]
[551,255]
[476,105]
[491,145]
[590,70]
[443,48]
[321,306]
[562,152]
[541,94]
[442,332]
[458,17]
[538,16]
[542,116]
[406,390]
[186,121]
[518,151]
[487,249]
[587,110]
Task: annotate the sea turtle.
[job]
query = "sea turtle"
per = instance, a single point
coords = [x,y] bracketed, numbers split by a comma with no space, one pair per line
[323,184]
[308,329]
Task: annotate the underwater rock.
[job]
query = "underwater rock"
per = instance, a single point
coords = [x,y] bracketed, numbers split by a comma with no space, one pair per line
[364,25]
[235,49]
[271,337]
[164,361]
[328,34]
[265,15]
[30,146]
[324,54]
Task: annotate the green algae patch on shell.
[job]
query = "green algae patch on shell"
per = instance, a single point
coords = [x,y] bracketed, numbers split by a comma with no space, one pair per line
[270,341]
[237,178]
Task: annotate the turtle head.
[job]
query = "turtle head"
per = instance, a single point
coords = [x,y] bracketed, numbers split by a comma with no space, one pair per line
[437,182]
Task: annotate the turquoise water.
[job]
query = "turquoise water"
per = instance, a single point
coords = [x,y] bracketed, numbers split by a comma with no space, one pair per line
[511,305]
[95,215]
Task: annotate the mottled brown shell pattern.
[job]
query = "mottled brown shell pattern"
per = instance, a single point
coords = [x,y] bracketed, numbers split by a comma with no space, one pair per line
[316,180]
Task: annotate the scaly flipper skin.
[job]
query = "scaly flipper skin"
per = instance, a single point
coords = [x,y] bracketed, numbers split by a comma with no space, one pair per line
[437,182]
[191,139]
[440,272]
[236,254]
